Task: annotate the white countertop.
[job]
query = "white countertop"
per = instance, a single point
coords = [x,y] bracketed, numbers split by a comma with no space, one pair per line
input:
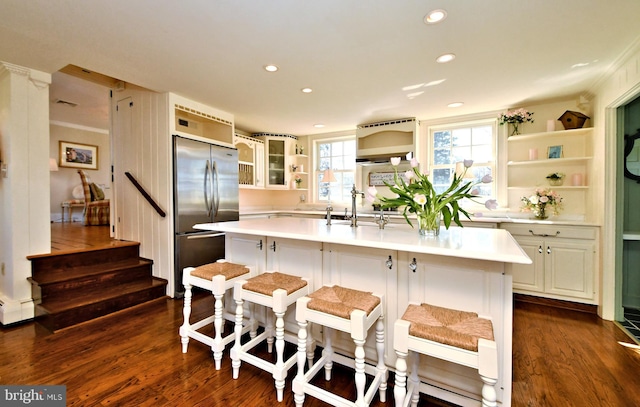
[468,242]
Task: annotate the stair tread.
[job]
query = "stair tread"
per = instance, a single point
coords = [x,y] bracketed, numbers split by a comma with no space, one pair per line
[57,276]
[105,293]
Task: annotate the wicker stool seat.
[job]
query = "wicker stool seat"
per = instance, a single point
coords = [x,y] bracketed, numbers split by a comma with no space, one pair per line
[217,278]
[276,291]
[350,311]
[457,336]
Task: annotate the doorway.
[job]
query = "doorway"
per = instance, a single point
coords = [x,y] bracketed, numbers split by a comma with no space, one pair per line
[631,236]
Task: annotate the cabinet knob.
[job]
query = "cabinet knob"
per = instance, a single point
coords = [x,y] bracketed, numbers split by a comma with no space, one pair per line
[389,263]
[413,266]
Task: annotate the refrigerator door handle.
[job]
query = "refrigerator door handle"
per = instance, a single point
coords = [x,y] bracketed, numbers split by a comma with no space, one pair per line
[215,189]
[207,236]
[207,187]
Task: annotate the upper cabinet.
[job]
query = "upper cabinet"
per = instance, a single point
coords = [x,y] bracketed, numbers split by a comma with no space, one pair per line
[250,161]
[532,157]
[278,152]
[199,120]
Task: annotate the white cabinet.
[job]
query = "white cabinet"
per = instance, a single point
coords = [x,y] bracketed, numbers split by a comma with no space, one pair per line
[529,164]
[278,151]
[250,161]
[564,259]
[364,269]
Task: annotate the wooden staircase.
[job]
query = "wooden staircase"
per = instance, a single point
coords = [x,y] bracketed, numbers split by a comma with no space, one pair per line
[72,287]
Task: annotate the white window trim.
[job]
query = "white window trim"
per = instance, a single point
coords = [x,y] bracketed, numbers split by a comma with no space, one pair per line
[316,139]
[500,166]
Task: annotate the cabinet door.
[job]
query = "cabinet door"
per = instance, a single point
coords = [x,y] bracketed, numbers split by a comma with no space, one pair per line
[530,277]
[246,249]
[364,269]
[259,167]
[276,162]
[569,268]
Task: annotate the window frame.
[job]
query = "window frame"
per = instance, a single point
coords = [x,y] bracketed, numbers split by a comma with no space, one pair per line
[326,139]
[497,170]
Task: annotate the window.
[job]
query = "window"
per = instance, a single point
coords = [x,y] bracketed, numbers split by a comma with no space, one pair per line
[340,156]
[451,144]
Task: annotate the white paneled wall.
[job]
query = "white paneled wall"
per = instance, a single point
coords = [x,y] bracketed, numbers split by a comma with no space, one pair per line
[142,146]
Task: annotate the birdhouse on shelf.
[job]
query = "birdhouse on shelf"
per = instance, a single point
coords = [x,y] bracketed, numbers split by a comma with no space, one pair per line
[573,120]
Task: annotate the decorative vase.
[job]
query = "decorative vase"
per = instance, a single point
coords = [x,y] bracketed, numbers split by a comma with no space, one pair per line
[429,224]
[555,182]
[540,213]
[515,131]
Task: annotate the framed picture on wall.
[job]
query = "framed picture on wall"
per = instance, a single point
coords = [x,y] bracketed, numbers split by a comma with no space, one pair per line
[76,155]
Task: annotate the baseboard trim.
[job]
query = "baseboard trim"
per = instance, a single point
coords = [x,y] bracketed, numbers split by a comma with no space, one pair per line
[575,306]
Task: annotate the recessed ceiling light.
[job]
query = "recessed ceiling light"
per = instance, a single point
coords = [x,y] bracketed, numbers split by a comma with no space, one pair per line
[270,68]
[455,104]
[435,16]
[306,90]
[445,58]
[318,126]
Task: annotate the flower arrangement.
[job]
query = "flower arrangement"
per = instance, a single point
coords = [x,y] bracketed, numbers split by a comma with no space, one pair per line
[540,202]
[515,117]
[419,197]
[297,180]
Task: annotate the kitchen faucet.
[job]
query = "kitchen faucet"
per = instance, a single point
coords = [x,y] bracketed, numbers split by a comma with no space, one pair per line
[354,214]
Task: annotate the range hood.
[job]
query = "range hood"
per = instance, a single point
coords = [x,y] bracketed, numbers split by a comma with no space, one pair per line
[378,142]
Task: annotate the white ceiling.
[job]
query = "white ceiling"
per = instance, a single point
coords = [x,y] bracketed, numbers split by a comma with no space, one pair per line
[357,55]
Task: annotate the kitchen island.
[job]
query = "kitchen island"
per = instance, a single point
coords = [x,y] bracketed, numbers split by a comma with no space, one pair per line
[463,268]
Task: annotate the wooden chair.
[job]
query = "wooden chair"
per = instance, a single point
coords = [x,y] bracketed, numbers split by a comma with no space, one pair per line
[350,311]
[96,212]
[455,336]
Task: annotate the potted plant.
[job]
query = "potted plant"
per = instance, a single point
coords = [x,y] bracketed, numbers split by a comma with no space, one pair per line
[555,179]
[298,180]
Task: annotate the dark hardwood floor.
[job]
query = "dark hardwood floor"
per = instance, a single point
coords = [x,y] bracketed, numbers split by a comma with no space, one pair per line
[133,358]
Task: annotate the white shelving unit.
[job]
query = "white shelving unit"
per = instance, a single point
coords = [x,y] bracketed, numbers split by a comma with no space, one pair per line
[525,175]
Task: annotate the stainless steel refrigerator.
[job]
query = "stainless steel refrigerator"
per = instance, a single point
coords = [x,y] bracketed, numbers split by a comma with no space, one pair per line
[205,190]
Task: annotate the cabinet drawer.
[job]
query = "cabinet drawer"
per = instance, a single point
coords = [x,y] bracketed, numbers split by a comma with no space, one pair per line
[567,232]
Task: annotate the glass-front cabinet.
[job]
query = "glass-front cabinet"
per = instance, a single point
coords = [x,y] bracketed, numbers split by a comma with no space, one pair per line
[277,151]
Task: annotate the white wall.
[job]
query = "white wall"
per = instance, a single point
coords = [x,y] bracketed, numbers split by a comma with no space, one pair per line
[24,191]
[65,179]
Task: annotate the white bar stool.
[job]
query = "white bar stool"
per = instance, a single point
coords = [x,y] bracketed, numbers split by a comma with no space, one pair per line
[216,277]
[455,336]
[276,291]
[350,311]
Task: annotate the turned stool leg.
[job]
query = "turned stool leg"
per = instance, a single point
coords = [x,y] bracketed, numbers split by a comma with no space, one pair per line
[360,377]
[217,347]
[279,371]
[414,380]
[381,367]
[298,381]
[186,312]
[328,352]
[235,358]
[400,389]
[269,330]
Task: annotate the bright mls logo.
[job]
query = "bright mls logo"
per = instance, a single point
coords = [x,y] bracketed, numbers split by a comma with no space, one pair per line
[49,396]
